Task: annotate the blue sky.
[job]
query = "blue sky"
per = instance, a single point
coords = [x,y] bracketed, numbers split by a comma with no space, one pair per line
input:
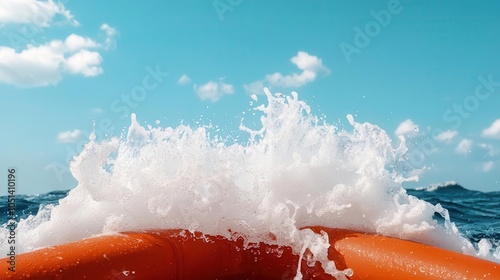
[428,70]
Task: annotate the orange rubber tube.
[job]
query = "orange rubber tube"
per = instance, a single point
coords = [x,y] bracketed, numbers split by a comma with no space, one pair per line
[176,254]
[380,257]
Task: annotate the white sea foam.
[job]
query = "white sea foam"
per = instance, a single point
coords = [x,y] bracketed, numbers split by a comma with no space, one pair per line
[295,171]
[435,187]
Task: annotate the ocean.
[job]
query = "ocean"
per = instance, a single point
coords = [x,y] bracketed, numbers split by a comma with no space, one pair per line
[476,214]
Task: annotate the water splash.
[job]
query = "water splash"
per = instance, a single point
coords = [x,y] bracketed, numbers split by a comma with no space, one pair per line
[295,171]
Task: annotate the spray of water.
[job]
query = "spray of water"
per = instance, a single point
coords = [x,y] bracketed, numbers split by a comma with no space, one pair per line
[295,171]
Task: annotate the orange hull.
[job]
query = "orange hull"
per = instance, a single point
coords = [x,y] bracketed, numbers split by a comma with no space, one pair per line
[167,254]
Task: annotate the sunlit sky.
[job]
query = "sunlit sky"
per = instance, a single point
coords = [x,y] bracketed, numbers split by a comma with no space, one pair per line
[427,70]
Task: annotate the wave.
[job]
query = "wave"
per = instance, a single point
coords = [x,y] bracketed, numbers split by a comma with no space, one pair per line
[447,186]
[476,213]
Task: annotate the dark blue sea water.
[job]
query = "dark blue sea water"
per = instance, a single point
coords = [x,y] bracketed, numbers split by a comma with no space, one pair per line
[30,204]
[476,214]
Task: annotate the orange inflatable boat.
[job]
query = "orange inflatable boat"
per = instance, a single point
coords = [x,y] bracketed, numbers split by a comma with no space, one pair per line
[177,254]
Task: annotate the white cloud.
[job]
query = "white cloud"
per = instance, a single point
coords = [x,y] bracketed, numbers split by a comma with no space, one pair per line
[310,65]
[293,80]
[110,41]
[85,62]
[491,151]
[307,62]
[45,64]
[256,87]
[408,127]
[69,136]
[487,166]
[36,12]
[213,91]
[75,42]
[184,80]
[34,66]
[447,136]
[464,146]
[493,131]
